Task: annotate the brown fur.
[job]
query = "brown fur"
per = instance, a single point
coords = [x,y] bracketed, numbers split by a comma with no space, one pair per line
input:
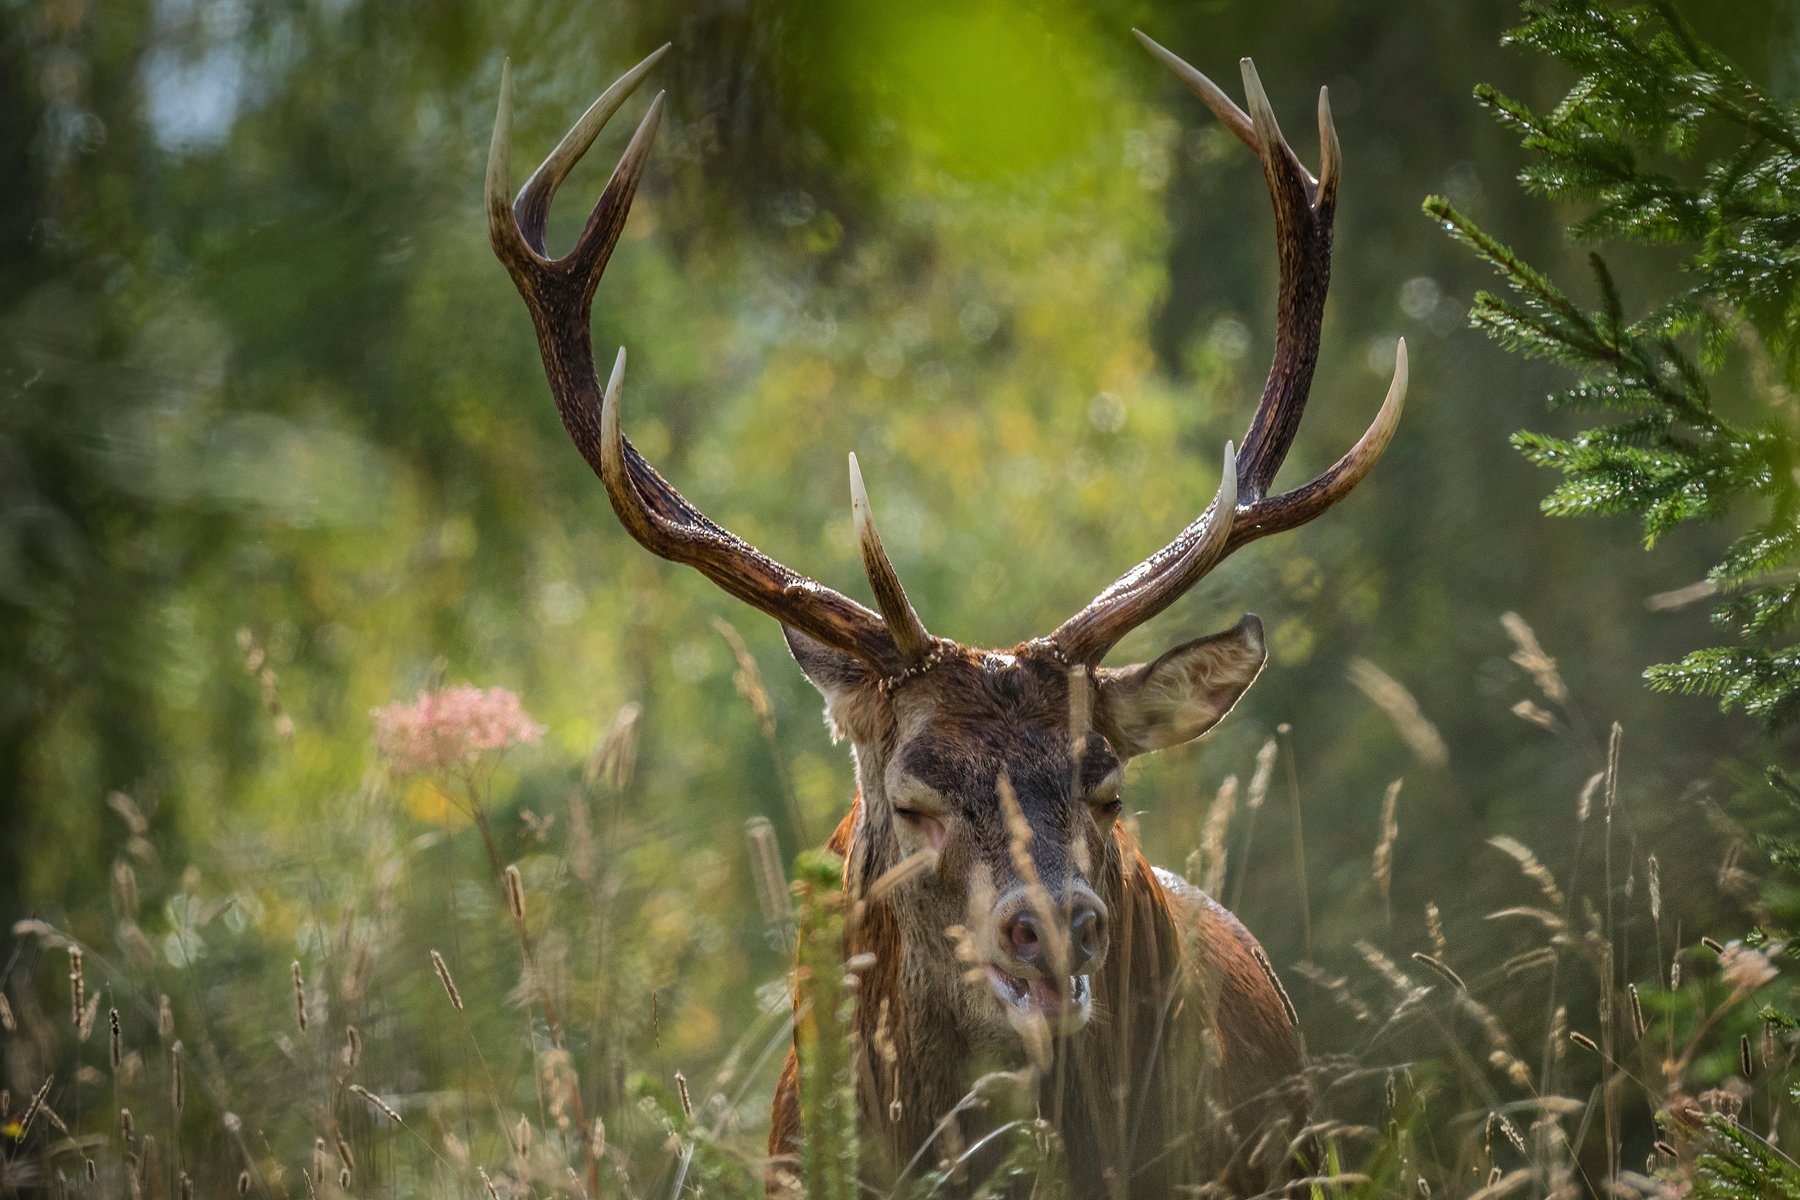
[1189,1071]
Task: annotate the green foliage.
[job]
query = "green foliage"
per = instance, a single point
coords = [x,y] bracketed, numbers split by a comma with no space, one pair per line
[1739,1165]
[822,1032]
[1650,98]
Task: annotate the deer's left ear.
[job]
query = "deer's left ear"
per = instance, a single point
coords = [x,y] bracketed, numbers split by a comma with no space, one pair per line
[847,685]
[1152,706]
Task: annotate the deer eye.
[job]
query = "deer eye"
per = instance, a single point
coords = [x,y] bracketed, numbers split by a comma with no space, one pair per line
[1106,797]
[1106,802]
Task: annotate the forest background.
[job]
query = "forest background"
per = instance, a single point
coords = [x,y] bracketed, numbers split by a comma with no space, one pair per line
[269,402]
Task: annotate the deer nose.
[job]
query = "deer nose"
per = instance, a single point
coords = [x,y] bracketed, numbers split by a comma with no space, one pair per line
[1087,935]
[1019,933]
[1024,939]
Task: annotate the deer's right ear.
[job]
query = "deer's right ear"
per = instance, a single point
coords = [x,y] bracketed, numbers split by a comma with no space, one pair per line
[845,681]
[1152,706]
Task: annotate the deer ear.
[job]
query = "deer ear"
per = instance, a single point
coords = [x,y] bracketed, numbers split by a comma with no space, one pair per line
[846,683]
[1152,706]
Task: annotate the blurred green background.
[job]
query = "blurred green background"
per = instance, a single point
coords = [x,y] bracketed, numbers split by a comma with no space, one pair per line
[261,372]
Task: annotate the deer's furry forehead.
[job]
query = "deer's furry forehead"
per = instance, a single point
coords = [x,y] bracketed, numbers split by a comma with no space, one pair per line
[977,713]
[986,690]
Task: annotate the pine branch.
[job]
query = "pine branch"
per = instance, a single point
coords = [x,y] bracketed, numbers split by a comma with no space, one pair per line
[1647,87]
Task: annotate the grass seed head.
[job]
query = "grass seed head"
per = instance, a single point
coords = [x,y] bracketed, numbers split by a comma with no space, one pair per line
[443,973]
[299,997]
[515,893]
[77,987]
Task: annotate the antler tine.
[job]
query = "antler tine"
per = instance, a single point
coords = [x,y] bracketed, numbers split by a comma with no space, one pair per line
[909,633]
[1303,241]
[1210,93]
[1304,209]
[1155,583]
[1330,155]
[503,230]
[532,208]
[663,522]
[559,294]
[1296,507]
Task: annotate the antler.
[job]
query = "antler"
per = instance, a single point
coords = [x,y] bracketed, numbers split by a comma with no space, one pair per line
[1242,511]
[559,293]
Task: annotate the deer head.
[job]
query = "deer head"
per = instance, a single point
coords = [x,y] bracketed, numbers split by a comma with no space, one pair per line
[998,771]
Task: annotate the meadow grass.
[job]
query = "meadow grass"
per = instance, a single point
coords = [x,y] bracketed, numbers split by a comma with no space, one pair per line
[469,1003]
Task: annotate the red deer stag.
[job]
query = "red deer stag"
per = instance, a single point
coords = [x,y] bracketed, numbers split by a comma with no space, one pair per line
[1147,1020]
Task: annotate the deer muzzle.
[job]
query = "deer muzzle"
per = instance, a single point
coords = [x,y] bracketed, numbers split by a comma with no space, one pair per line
[1046,951]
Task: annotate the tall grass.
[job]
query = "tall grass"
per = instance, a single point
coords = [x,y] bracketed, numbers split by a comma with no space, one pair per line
[446,995]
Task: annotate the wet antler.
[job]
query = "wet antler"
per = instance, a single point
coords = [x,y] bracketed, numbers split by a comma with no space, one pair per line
[1243,511]
[559,292]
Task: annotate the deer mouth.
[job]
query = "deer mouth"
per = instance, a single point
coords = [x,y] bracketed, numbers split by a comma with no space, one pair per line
[1063,1003]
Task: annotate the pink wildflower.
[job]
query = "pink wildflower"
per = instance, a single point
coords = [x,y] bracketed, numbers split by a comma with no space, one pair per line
[1746,969]
[454,725]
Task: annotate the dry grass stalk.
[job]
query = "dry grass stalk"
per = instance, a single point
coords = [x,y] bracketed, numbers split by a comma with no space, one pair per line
[515,894]
[117,1042]
[1532,868]
[256,665]
[1511,1132]
[1612,767]
[31,1110]
[1441,967]
[1530,657]
[299,997]
[1382,865]
[89,1013]
[747,678]
[1262,775]
[352,1046]
[177,1077]
[124,890]
[77,987]
[443,973]
[128,812]
[1583,1040]
[681,1090]
[1338,987]
[386,1108]
[165,1018]
[615,757]
[8,1022]
[1584,803]
[1212,838]
[1081,713]
[1268,970]
[1434,927]
[1392,698]
[913,865]
[1035,1033]
[1529,960]
[765,867]
[1534,714]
